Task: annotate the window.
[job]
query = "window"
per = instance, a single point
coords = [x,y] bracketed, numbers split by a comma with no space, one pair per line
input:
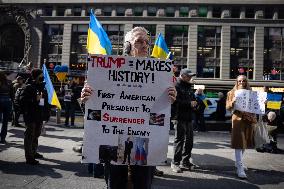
[170,12]
[176,37]
[235,12]
[202,12]
[183,11]
[216,12]
[250,12]
[208,51]
[268,13]
[281,13]
[138,11]
[48,11]
[115,33]
[60,11]
[242,47]
[273,54]
[52,44]
[120,11]
[77,11]
[107,11]
[152,11]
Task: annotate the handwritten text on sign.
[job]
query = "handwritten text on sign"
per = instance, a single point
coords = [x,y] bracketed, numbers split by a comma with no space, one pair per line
[127,117]
[250,101]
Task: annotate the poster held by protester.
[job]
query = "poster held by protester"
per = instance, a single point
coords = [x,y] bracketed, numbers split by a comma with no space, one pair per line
[250,101]
[129,105]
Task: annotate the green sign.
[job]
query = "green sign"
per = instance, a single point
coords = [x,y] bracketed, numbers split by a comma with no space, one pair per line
[211,95]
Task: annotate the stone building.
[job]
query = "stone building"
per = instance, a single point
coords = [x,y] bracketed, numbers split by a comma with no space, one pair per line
[217,39]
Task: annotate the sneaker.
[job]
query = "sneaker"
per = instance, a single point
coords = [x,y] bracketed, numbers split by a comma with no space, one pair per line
[158,172]
[176,168]
[38,156]
[188,166]
[240,171]
[77,149]
[32,162]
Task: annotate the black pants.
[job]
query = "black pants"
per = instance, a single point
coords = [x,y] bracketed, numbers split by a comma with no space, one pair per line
[199,122]
[69,112]
[126,155]
[183,142]
[5,111]
[117,176]
[16,116]
[32,133]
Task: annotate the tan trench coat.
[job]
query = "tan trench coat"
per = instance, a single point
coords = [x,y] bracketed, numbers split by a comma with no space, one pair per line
[242,136]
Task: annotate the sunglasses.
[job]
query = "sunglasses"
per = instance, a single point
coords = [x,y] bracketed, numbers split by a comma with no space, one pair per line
[141,42]
[242,81]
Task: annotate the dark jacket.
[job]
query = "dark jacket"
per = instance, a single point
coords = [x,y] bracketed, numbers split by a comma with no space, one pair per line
[181,109]
[32,111]
[221,109]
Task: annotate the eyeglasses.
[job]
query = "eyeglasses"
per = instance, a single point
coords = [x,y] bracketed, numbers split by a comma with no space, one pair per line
[141,42]
[242,81]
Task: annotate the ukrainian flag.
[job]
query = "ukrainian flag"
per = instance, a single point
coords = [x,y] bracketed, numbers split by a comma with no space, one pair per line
[97,41]
[160,49]
[52,97]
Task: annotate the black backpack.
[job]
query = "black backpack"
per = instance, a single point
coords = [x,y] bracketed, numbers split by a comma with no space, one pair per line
[19,99]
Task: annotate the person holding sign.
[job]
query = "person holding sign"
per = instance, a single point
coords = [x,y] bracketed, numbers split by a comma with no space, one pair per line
[136,45]
[242,126]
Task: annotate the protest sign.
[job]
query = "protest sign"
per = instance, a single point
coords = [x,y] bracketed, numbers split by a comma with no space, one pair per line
[127,118]
[250,101]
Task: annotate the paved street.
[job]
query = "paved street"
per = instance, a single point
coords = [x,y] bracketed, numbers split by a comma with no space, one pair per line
[61,167]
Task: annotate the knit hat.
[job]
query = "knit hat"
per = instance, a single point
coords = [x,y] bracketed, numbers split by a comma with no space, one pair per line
[36,72]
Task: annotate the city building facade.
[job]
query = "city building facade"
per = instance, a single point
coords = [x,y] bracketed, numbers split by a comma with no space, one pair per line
[217,39]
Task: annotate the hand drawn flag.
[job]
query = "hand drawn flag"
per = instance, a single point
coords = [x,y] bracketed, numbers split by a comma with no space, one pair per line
[97,41]
[274,101]
[143,154]
[160,49]
[52,97]
[137,153]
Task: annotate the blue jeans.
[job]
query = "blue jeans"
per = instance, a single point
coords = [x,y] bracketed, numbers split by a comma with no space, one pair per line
[5,109]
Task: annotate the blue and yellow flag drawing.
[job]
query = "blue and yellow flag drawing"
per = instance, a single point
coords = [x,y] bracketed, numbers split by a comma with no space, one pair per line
[160,49]
[97,41]
[52,97]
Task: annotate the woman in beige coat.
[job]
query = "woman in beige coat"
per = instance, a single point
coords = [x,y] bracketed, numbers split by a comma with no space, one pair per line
[242,126]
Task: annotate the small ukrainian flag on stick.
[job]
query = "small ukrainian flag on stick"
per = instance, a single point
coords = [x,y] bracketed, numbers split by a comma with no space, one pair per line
[97,41]
[52,97]
[160,49]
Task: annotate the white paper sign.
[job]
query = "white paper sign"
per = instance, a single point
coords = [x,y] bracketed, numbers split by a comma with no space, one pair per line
[250,101]
[128,116]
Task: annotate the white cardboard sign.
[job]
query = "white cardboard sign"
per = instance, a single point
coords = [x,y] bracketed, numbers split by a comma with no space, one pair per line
[128,116]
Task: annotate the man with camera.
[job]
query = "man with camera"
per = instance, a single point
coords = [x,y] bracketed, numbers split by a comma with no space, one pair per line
[33,103]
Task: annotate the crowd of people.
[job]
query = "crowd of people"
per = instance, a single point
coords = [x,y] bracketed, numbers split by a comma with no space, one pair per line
[187,110]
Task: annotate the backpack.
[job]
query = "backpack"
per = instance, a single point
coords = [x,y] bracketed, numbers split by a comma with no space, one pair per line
[19,100]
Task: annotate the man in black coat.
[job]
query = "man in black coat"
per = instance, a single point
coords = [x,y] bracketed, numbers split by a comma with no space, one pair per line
[33,107]
[127,150]
[184,104]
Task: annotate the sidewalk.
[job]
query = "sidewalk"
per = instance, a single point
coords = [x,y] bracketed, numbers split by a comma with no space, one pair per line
[61,167]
